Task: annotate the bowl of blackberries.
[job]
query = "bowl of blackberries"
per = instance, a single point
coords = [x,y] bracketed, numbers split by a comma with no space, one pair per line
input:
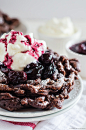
[78,50]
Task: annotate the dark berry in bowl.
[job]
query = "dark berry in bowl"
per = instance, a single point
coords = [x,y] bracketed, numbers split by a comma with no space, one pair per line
[79,48]
[34,70]
[82,48]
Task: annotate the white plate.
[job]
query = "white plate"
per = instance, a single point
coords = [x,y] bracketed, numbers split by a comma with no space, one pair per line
[39,118]
[74,95]
[23,27]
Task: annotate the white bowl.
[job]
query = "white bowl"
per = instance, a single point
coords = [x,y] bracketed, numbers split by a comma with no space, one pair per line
[80,57]
[58,43]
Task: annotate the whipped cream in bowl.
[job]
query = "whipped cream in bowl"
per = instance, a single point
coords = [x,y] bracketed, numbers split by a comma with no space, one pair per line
[18,50]
[57,32]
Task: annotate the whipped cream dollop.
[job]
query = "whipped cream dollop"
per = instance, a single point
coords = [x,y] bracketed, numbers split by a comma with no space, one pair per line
[18,50]
[58,27]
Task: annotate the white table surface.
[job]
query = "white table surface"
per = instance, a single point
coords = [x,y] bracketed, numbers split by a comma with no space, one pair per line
[34,24]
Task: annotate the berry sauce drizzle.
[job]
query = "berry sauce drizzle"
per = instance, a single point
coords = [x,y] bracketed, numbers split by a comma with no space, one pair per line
[8,61]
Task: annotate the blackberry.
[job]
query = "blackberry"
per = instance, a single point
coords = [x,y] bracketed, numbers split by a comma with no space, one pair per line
[46,58]
[49,71]
[34,70]
[17,77]
[4,68]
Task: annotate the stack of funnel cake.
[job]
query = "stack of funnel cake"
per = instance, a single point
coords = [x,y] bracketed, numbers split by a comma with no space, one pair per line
[43,84]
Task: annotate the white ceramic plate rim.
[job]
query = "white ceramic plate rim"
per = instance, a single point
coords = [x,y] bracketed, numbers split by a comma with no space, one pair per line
[39,118]
[41,113]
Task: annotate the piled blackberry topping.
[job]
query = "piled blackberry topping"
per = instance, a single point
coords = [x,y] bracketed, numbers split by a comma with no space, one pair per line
[42,84]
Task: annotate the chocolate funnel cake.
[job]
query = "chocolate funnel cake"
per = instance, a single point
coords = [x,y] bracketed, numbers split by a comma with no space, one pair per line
[42,83]
[7,23]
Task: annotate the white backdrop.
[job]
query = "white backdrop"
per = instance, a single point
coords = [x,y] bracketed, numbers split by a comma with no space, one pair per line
[44,9]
